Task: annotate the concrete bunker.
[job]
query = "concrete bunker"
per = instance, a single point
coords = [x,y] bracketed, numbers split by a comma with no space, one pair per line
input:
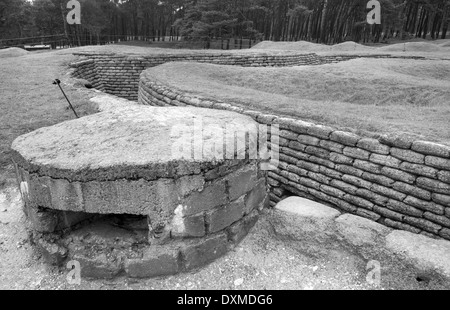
[140,190]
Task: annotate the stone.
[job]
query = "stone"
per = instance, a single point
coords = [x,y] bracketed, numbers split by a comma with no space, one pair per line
[187,227]
[42,220]
[157,261]
[425,253]
[242,181]
[359,231]
[195,254]
[239,230]
[305,208]
[98,267]
[53,253]
[255,197]
[222,217]
[305,222]
[212,196]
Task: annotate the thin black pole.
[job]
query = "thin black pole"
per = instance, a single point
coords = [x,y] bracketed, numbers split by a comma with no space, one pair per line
[58,82]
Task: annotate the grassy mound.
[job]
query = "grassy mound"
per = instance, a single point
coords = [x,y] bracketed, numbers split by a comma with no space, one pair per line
[291,46]
[413,47]
[368,95]
[350,46]
[12,52]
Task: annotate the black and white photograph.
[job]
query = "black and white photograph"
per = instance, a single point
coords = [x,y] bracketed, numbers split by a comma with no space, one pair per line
[225,150]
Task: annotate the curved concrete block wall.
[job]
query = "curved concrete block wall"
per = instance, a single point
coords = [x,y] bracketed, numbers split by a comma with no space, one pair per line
[401,183]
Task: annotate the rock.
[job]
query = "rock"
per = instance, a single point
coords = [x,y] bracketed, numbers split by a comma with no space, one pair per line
[307,208]
[238,282]
[359,231]
[304,220]
[425,253]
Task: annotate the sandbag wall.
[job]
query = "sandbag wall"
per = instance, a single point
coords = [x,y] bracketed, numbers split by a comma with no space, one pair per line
[393,180]
[119,74]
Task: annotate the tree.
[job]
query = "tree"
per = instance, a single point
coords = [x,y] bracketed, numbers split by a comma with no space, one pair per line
[208,19]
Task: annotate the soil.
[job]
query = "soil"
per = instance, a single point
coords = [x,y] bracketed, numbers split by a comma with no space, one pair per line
[264,260]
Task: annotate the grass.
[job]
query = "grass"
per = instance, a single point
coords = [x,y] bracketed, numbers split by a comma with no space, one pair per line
[367,95]
[29,100]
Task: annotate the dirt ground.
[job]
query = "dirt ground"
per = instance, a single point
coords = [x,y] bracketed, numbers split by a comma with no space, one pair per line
[264,260]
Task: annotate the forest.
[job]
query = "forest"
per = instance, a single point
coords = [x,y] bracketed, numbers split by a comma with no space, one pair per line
[321,21]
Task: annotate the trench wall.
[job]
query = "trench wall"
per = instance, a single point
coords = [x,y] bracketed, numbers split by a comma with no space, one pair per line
[401,183]
[119,74]
[392,180]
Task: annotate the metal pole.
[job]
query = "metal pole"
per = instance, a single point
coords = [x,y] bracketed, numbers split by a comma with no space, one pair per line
[58,82]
